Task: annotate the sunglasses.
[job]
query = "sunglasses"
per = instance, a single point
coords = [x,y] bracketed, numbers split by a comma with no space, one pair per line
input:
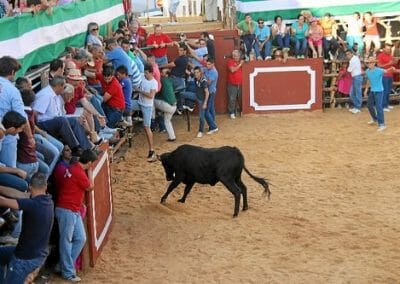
[260,23]
[96,29]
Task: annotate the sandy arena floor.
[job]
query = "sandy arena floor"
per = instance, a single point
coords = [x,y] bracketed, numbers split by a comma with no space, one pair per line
[333,216]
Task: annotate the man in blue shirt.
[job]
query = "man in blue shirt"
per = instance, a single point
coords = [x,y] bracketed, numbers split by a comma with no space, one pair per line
[10,99]
[262,41]
[375,96]
[211,75]
[37,222]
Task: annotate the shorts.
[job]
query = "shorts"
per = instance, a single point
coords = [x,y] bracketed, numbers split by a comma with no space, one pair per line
[147,112]
[317,42]
[173,7]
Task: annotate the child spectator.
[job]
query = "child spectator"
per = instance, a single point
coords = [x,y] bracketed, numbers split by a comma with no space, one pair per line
[344,80]
[122,75]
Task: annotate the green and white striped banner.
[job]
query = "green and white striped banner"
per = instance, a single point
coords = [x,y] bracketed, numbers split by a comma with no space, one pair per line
[38,39]
[289,9]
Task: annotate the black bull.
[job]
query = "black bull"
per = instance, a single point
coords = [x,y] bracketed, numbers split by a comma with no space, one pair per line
[189,164]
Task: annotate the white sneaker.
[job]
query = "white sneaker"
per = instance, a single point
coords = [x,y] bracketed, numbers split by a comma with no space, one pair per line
[356,110]
[74,279]
[232,116]
[386,109]
[199,135]
[390,107]
[8,240]
[351,109]
[371,122]
[381,128]
[212,131]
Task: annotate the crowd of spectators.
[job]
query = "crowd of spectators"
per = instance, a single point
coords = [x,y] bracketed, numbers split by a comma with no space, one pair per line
[10,8]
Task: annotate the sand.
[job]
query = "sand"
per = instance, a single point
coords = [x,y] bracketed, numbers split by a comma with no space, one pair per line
[333,216]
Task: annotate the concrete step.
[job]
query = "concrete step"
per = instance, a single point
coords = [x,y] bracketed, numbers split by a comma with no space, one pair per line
[187,27]
[164,20]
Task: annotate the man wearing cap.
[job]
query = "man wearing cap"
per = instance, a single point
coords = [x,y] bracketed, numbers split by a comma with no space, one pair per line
[50,119]
[160,42]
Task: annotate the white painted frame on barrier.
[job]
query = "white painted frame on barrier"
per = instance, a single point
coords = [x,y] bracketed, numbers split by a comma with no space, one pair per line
[99,241]
[258,70]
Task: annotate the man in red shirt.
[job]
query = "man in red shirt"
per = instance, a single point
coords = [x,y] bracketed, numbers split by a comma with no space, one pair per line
[160,42]
[386,61]
[113,98]
[72,182]
[234,83]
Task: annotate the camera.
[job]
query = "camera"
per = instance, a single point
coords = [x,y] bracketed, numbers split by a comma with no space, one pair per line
[182,36]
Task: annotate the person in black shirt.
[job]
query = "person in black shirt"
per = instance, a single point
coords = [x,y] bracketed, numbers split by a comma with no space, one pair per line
[37,221]
[210,44]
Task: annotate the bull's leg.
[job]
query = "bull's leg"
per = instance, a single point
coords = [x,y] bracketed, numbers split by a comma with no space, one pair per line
[186,192]
[244,193]
[235,190]
[171,187]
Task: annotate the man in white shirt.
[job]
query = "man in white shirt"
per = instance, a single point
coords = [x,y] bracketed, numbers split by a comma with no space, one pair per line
[357,79]
[48,106]
[145,103]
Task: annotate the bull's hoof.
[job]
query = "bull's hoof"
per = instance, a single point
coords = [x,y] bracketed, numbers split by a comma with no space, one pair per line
[181,200]
[162,201]
[245,208]
[235,215]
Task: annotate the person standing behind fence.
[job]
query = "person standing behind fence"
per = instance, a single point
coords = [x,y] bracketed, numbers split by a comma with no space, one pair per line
[211,75]
[71,183]
[211,10]
[173,7]
[248,28]
[386,61]
[234,83]
[160,42]
[375,96]
[357,79]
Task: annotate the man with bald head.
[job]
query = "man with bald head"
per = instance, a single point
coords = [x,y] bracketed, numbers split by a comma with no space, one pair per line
[234,82]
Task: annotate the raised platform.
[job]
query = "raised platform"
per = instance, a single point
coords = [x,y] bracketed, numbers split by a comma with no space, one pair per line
[184,24]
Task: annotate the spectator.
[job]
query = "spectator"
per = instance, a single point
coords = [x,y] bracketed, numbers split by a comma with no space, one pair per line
[262,40]
[165,101]
[371,33]
[386,61]
[10,99]
[211,11]
[173,7]
[113,97]
[330,43]
[247,28]
[92,35]
[315,35]
[145,103]
[354,32]
[122,75]
[234,83]
[375,96]
[51,120]
[71,183]
[160,42]
[5,9]
[280,33]
[179,66]
[211,75]
[344,80]
[37,221]
[210,44]
[138,33]
[356,84]
[300,32]
[126,46]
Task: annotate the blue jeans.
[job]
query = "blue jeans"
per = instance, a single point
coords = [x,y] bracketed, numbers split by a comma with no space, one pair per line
[29,168]
[283,42]
[248,42]
[211,105]
[267,49]
[8,151]
[113,115]
[72,239]
[330,45]
[375,107]
[356,91]
[17,269]
[300,46]
[205,114]
[163,60]
[355,39]
[13,181]
[50,146]
[387,89]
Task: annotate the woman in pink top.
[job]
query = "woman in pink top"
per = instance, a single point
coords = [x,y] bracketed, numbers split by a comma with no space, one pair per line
[315,35]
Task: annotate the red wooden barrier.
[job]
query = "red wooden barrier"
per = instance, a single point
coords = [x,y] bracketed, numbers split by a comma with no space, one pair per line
[100,206]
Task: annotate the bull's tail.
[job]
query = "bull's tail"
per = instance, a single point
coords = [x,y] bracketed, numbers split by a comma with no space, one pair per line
[261,181]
